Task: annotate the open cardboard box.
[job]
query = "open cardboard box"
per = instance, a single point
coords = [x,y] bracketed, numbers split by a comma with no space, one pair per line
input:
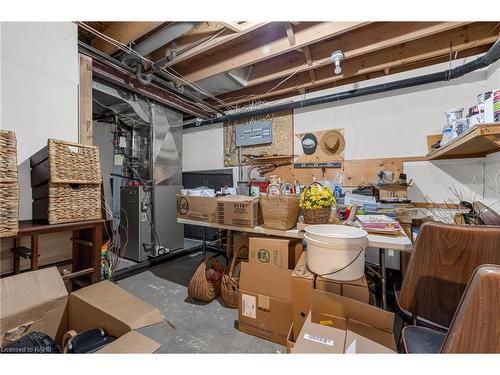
[264,302]
[338,324]
[302,281]
[39,301]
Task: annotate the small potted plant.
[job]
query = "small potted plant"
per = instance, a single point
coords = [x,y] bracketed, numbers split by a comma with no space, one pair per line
[317,201]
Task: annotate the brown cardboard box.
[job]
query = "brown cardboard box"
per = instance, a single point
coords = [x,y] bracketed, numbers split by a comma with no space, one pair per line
[38,301]
[338,324]
[280,252]
[238,210]
[290,339]
[356,289]
[197,208]
[264,302]
[302,281]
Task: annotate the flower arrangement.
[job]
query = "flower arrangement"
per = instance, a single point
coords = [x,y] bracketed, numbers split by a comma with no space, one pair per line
[317,196]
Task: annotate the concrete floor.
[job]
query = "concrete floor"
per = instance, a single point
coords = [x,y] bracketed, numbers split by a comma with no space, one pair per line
[208,328]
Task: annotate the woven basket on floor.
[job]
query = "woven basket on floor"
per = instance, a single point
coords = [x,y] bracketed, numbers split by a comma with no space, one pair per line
[280,211]
[8,156]
[316,215]
[229,284]
[199,287]
[73,163]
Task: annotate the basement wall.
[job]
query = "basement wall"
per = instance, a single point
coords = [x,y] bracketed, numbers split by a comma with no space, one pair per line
[39,100]
[392,124]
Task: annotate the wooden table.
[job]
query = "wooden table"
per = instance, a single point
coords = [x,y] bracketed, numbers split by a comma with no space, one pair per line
[400,243]
[86,248]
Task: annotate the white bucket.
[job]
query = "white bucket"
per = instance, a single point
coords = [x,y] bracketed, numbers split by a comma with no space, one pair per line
[336,252]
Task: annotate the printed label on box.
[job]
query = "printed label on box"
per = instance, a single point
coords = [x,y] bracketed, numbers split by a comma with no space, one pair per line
[248,306]
[318,339]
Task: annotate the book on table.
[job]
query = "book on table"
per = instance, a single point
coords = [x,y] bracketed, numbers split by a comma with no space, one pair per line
[379,224]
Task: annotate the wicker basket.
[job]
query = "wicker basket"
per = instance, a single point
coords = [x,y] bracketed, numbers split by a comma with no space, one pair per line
[316,215]
[9,209]
[229,284]
[280,211]
[73,163]
[8,156]
[68,202]
[199,287]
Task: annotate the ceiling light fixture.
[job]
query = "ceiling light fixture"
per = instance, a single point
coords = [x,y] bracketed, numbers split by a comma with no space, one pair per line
[336,58]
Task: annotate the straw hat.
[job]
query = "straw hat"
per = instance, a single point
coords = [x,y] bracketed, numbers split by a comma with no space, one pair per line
[332,142]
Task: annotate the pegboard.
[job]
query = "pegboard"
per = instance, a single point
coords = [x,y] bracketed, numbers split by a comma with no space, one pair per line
[283,133]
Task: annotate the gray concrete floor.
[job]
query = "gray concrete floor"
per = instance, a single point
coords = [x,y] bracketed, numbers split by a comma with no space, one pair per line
[207,328]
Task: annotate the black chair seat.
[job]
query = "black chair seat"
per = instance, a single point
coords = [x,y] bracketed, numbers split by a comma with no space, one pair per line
[422,340]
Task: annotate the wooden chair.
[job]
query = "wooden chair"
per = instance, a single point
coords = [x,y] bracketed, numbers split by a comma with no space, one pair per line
[441,264]
[474,328]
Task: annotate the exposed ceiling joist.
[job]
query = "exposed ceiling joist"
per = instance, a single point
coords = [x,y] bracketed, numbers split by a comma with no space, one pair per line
[124,32]
[359,42]
[246,27]
[426,50]
[254,50]
[234,26]
[289,33]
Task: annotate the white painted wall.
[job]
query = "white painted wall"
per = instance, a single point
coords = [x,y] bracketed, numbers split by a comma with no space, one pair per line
[38,100]
[392,124]
[39,90]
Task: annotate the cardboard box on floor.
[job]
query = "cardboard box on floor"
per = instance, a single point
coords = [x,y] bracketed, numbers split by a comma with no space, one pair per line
[281,252]
[197,208]
[39,301]
[338,324]
[264,302]
[302,281]
[238,210]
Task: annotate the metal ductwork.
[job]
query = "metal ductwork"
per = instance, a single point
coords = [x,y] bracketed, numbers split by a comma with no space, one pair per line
[164,36]
[481,62]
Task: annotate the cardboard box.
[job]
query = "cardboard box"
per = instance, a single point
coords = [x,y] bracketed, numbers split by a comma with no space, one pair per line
[356,289]
[197,208]
[302,281]
[238,210]
[264,306]
[39,301]
[290,339]
[338,324]
[279,252]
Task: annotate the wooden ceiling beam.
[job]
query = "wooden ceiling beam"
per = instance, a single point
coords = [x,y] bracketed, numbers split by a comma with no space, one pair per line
[362,41]
[233,26]
[224,37]
[290,34]
[260,48]
[425,51]
[124,32]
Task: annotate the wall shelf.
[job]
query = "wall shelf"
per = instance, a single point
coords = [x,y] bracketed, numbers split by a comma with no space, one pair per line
[478,141]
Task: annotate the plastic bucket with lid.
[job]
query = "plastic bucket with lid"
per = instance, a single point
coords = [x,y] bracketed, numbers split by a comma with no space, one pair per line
[336,252]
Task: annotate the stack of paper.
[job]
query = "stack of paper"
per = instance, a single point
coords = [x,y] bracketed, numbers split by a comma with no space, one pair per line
[379,224]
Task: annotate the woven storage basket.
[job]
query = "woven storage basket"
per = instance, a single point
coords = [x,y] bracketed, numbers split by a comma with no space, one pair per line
[73,163]
[316,215]
[8,156]
[9,209]
[68,202]
[199,287]
[229,282]
[280,211]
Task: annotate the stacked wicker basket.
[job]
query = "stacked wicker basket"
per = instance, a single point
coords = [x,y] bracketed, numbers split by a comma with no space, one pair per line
[9,188]
[66,182]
